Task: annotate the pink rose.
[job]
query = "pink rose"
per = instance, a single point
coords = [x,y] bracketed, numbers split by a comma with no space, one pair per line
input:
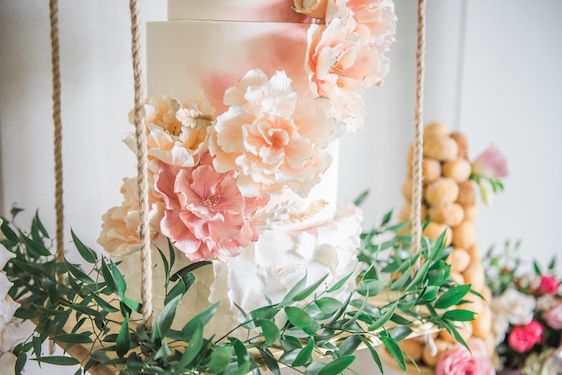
[553,317]
[523,338]
[205,214]
[459,361]
[549,284]
[490,164]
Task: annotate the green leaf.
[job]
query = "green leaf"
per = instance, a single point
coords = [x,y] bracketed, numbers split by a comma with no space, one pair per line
[195,345]
[57,360]
[190,268]
[348,346]
[298,317]
[337,366]
[123,343]
[361,198]
[384,318]
[200,319]
[455,333]
[73,338]
[430,293]
[305,354]
[394,350]
[338,285]
[308,291]
[400,333]
[269,330]
[220,359]
[87,254]
[296,289]
[8,232]
[537,268]
[386,218]
[452,296]
[36,246]
[371,288]
[374,353]
[270,361]
[20,362]
[328,305]
[166,265]
[459,315]
[165,319]
[178,290]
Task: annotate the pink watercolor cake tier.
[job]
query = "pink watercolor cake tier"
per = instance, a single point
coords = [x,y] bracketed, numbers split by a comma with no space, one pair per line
[189,58]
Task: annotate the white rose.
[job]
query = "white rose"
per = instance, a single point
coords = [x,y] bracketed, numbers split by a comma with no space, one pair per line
[8,364]
[500,325]
[516,307]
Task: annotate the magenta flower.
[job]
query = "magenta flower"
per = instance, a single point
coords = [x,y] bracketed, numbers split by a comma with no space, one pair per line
[549,284]
[523,338]
[490,164]
[205,214]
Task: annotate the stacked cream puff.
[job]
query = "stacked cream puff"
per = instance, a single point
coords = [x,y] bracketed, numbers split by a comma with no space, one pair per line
[450,203]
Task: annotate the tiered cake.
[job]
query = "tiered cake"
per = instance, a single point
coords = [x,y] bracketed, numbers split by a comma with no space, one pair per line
[247,102]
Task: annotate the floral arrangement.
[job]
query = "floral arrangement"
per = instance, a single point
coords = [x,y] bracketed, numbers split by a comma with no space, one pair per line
[527,310]
[92,309]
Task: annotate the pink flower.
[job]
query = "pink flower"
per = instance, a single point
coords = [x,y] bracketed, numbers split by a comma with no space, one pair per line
[205,214]
[523,338]
[549,284]
[490,164]
[271,140]
[554,316]
[459,361]
[379,17]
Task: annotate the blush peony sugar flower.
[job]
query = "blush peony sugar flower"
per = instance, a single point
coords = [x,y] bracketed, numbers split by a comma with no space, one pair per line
[206,216]
[176,132]
[269,138]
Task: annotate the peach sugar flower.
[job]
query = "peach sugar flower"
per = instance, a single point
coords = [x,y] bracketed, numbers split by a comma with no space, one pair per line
[120,225]
[176,132]
[269,139]
[346,56]
[206,215]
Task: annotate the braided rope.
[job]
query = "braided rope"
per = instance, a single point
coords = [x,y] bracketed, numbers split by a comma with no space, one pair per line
[417,191]
[142,168]
[57,140]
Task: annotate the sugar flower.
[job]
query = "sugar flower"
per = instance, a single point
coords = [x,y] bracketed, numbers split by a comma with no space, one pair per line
[8,363]
[523,338]
[176,132]
[269,138]
[311,8]
[340,65]
[553,317]
[206,216]
[379,17]
[7,305]
[490,164]
[515,306]
[549,284]
[120,225]
[459,361]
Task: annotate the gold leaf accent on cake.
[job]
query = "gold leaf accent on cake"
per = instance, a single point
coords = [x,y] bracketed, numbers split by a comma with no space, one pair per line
[313,209]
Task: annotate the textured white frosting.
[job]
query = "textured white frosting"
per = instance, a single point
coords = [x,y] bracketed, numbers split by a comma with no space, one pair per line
[187,57]
[268,268]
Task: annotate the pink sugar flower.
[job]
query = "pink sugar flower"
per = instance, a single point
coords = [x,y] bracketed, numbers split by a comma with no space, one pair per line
[553,317]
[523,338]
[490,164]
[549,284]
[459,361]
[205,214]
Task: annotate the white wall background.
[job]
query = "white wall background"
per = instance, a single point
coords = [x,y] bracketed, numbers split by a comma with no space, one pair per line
[493,72]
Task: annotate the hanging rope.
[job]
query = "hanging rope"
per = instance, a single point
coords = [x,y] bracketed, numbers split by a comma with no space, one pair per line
[417,190]
[142,168]
[57,140]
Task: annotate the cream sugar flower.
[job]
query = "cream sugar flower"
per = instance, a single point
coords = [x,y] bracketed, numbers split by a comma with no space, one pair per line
[120,227]
[270,138]
[341,64]
[176,131]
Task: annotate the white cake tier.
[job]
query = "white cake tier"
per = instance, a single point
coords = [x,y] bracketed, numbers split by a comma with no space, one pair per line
[233,10]
[268,268]
[187,58]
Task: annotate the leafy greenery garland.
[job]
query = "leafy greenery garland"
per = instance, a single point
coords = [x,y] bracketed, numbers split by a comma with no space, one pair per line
[306,325]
